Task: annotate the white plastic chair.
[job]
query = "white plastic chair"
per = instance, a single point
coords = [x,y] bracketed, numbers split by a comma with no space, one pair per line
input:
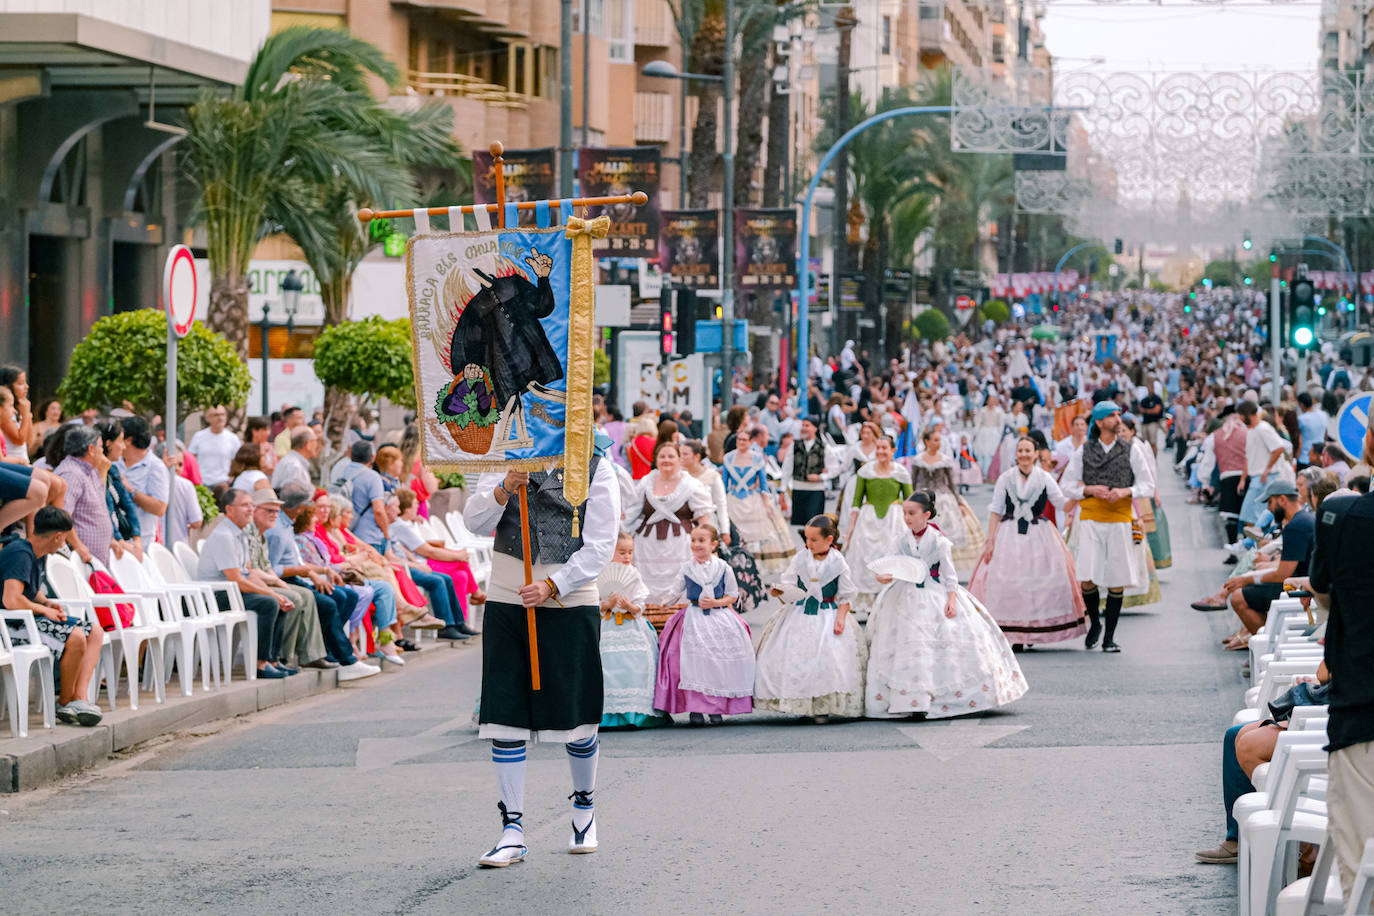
[174,571]
[192,634]
[1268,838]
[16,668]
[187,557]
[1362,890]
[1316,895]
[1277,678]
[69,583]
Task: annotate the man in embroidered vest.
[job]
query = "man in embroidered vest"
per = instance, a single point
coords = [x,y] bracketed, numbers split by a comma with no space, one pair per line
[567,557]
[808,474]
[1104,476]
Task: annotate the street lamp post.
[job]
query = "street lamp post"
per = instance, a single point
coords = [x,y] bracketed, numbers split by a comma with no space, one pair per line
[291,287]
[662,69]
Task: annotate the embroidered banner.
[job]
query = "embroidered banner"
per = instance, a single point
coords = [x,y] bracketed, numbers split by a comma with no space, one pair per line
[500,320]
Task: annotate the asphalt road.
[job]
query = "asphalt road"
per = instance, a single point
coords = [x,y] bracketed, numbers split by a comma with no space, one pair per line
[1088,796]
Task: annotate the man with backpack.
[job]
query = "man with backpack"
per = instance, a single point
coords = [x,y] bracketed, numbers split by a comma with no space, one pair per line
[360,484]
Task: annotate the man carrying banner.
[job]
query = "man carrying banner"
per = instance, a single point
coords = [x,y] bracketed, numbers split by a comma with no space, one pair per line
[566,557]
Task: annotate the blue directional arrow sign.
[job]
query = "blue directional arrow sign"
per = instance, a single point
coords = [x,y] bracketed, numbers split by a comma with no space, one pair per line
[1351,423]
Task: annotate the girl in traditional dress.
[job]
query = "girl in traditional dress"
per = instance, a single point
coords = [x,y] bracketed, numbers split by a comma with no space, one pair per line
[1013,427]
[966,470]
[668,503]
[876,527]
[754,509]
[629,644]
[1025,576]
[706,663]
[933,470]
[746,571]
[1151,511]
[811,658]
[856,455]
[936,650]
[1148,592]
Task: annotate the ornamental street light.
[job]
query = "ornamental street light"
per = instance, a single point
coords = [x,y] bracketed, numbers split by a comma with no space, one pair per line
[291,287]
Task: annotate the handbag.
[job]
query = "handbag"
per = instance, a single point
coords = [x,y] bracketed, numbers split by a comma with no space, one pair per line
[102,583]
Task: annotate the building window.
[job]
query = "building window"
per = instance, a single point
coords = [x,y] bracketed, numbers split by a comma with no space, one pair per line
[930,10]
[620,30]
[887,34]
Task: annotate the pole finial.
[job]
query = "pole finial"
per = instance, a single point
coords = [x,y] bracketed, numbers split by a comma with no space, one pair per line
[365,214]
[639,198]
[497,150]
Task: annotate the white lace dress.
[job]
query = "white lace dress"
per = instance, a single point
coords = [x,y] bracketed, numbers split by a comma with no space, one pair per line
[803,668]
[921,661]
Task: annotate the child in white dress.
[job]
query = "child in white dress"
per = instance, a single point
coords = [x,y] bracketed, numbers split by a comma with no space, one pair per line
[629,644]
[811,657]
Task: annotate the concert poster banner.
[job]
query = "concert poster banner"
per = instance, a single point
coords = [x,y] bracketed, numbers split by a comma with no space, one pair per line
[530,175]
[623,170]
[689,248]
[765,249]
[494,318]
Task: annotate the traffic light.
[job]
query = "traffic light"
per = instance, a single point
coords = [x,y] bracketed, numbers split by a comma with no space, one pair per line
[1247,244]
[1118,247]
[1302,312]
[685,301]
[666,332]
[1273,258]
[1248,281]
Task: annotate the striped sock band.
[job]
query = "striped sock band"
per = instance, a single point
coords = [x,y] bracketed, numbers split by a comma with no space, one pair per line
[509,757]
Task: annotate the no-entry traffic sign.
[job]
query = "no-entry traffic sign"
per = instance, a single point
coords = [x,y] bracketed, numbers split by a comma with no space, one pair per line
[179,289]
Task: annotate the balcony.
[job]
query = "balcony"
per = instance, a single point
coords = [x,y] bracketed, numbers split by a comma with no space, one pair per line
[654,24]
[654,117]
[460,85]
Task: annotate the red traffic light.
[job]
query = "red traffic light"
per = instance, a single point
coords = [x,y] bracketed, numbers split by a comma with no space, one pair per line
[667,343]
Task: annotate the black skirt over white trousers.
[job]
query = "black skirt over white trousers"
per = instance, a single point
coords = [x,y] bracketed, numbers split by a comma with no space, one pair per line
[567,707]
[806,505]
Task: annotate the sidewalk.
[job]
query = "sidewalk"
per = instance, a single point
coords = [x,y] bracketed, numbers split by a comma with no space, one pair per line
[50,754]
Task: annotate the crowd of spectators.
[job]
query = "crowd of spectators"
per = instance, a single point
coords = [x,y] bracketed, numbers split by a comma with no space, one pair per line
[332,567]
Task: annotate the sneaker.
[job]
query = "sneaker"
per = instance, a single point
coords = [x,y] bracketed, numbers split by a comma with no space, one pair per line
[452,633]
[323,664]
[87,714]
[1253,531]
[1237,547]
[272,673]
[358,669]
[67,714]
[1225,854]
[394,658]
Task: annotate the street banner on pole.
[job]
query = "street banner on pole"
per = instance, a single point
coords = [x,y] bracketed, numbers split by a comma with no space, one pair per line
[765,249]
[689,248]
[529,175]
[611,172]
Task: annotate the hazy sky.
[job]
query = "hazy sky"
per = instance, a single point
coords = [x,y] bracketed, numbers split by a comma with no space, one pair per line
[1177,35]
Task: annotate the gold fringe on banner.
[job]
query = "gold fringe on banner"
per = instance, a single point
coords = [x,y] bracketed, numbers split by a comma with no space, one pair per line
[579,431]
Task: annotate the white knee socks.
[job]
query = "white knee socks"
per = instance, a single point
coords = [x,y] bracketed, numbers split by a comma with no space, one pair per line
[582,757]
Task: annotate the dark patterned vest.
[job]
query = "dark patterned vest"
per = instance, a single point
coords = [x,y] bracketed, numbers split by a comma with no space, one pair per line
[551,538]
[807,458]
[1107,468]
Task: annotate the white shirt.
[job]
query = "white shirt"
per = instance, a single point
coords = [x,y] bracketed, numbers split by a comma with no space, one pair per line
[1260,442]
[292,468]
[184,512]
[407,536]
[1072,481]
[215,452]
[150,477]
[600,529]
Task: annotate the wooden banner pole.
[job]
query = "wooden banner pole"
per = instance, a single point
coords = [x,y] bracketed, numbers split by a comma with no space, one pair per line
[638,198]
[498,173]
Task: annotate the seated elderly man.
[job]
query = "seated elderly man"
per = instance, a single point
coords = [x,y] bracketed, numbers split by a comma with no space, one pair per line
[335,602]
[75,644]
[300,631]
[224,557]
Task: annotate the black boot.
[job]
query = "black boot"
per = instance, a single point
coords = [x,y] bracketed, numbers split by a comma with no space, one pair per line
[1094,621]
[1113,614]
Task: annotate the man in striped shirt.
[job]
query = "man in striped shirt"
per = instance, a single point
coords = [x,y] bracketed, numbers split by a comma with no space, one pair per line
[84,469]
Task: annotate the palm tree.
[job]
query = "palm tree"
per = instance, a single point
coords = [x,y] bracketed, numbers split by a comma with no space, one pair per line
[304,119]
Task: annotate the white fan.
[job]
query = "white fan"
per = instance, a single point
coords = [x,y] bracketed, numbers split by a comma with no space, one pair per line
[618,578]
[905,569]
[791,594]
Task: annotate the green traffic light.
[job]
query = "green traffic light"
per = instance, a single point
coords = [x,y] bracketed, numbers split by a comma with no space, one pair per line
[1247,244]
[1302,337]
[1273,258]
[1321,310]
[1248,281]
[1187,309]
[1192,295]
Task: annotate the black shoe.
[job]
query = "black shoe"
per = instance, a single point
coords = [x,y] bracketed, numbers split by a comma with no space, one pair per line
[322,664]
[408,645]
[452,633]
[1232,560]
[1111,647]
[1094,634]
[464,628]
[1017,647]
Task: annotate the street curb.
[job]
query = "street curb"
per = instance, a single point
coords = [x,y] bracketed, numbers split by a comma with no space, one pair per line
[48,755]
